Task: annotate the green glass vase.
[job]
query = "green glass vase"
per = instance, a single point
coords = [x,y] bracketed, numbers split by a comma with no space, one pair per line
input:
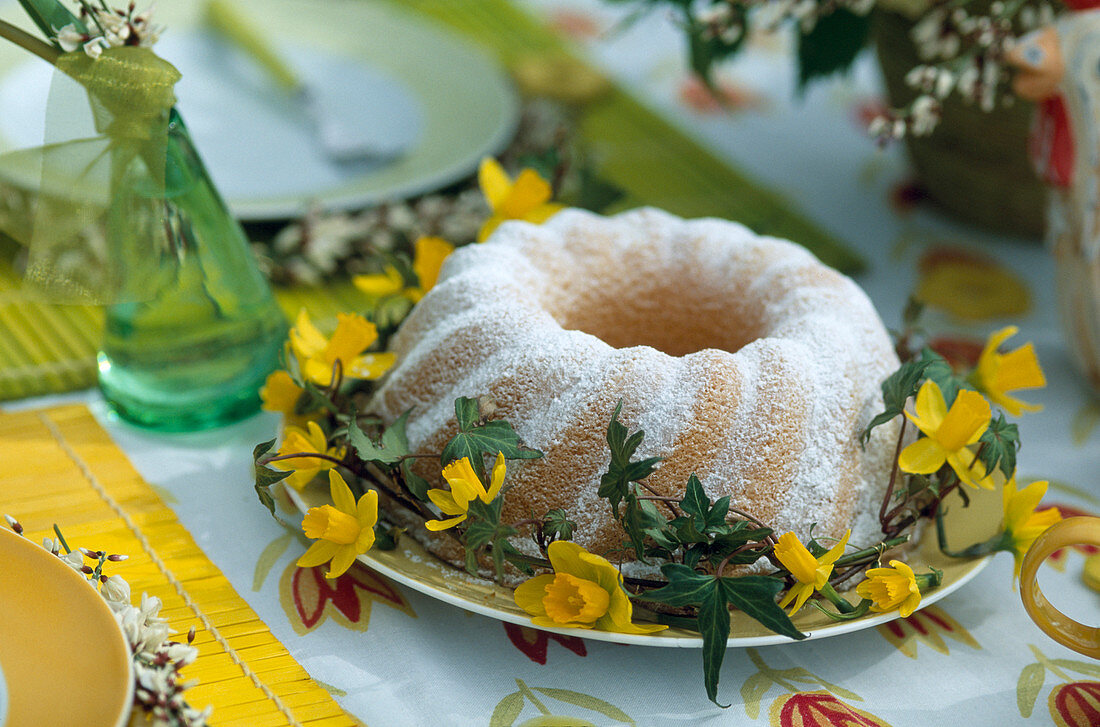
[194,353]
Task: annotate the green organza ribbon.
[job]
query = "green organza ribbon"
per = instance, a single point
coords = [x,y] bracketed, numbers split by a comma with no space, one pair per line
[95,227]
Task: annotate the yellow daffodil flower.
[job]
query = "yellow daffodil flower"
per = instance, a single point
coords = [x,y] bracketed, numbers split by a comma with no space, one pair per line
[342,530]
[305,469]
[280,393]
[526,198]
[465,488]
[380,285]
[1021,523]
[317,354]
[429,254]
[811,573]
[890,588]
[999,373]
[584,591]
[948,433]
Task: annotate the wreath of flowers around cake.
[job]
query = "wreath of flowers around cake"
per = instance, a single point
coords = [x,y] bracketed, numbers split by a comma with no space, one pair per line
[700,545]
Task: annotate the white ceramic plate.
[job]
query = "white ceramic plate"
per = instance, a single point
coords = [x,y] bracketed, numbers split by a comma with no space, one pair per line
[59,638]
[397,72]
[411,565]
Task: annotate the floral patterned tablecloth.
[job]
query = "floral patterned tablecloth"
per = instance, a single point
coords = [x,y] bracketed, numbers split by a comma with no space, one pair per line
[394,657]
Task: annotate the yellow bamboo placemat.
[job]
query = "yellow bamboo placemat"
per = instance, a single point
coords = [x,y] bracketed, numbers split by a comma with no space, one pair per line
[61,467]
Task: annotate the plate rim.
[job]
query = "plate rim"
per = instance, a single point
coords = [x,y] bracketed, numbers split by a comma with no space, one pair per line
[671,638]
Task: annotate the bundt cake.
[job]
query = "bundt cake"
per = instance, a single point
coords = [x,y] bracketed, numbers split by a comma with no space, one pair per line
[744,359]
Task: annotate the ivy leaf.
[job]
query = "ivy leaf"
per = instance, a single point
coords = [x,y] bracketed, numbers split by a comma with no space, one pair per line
[615,483]
[831,46]
[414,483]
[896,390]
[266,476]
[714,626]
[940,372]
[1000,442]
[556,522]
[491,437]
[467,413]
[696,503]
[685,586]
[392,448]
[717,515]
[755,596]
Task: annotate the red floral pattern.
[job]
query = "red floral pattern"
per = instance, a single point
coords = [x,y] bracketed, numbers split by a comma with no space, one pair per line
[1057,559]
[533,643]
[309,598]
[1076,704]
[819,709]
[928,626]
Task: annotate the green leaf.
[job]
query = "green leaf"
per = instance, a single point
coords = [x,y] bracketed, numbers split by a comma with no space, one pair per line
[940,372]
[507,710]
[385,536]
[414,483]
[557,523]
[1028,687]
[831,46]
[394,438]
[755,596]
[479,533]
[467,413]
[685,586]
[584,701]
[1000,442]
[595,193]
[896,390]
[714,626]
[695,502]
[753,691]
[717,515]
[367,450]
[489,438]
[266,476]
[51,16]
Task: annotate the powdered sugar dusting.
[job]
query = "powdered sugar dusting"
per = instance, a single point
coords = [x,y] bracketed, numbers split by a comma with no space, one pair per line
[744,360]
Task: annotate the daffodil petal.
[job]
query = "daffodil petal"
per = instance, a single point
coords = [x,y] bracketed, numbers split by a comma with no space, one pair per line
[529,594]
[497,479]
[966,421]
[340,492]
[381,284]
[445,501]
[494,182]
[370,365]
[543,212]
[796,557]
[922,457]
[526,195]
[836,551]
[366,509]
[428,260]
[1020,369]
[437,525]
[305,339]
[931,407]
[343,559]
[352,336]
[322,551]
[488,228]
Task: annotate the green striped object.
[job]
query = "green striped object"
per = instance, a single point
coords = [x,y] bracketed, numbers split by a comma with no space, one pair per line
[51,349]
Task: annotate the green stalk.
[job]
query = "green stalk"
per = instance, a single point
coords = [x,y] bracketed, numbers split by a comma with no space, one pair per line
[28,42]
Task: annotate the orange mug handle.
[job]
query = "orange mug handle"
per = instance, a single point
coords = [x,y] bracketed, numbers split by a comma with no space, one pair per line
[1058,626]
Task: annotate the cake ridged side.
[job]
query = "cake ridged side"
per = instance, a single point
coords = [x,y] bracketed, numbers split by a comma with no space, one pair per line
[770,366]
